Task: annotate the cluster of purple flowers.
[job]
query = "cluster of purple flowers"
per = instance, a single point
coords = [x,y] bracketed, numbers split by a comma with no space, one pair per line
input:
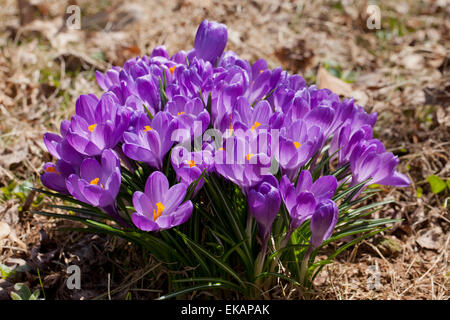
[248,124]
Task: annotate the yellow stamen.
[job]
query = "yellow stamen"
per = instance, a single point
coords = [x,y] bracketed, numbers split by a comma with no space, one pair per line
[297,145]
[172,69]
[95,181]
[147,128]
[261,71]
[179,113]
[249,156]
[92,127]
[255,125]
[191,163]
[222,149]
[159,210]
[231,128]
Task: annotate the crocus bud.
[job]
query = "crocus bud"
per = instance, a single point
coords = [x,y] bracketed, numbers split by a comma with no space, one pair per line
[210,40]
[264,202]
[323,221]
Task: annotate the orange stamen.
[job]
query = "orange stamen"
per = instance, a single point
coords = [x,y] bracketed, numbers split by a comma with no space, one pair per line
[255,125]
[92,127]
[159,210]
[191,163]
[51,169]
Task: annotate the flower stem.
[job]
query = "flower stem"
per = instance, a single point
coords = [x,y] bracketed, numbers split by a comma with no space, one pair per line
[304,266]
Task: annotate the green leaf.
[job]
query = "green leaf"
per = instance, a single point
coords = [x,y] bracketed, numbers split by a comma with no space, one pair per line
[22,290]
[436,183]
[277,275]
[35,295]
[419,192]
[219,263]
[214,280]
[206,286]
[15,296]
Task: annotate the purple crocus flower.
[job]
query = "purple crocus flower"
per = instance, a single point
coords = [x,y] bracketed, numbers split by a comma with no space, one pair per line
[188,112]
[149,92]
[369,159]
[98,183]
[97,124]
[301,201]
[60,148]
[246,117]
[242,160]
[189,166]
[210,40]
[323,222]
[159,207]
[264,202]
[151,139]
[108,79]
[55,175]
[297,144]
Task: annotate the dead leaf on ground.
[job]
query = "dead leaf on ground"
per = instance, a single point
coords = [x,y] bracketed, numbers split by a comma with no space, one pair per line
[4,230]
[431,239]
[16,156]
[328,81]
[296,58]
[74,62]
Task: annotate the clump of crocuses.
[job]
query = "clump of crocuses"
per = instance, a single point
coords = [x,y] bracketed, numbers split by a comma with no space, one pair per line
[166,126]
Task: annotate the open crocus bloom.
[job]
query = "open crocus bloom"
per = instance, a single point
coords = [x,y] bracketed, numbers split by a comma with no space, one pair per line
[55,175]
[98,183]
[158,207]
[301,201]
[151,139]
[97,124]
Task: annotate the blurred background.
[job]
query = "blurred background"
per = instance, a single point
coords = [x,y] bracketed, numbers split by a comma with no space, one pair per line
[393,57]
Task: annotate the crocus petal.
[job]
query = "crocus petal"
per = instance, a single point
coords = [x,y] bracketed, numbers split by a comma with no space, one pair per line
[144,223]
[156,187]
[323,221]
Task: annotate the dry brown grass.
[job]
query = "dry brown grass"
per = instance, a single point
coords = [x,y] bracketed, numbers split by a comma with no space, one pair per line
[402,72]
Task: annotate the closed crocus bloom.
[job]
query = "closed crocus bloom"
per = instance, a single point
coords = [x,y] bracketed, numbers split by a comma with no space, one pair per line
[370,160]
[264,202]
[210,40]
[323,222]
[159,207]
[98,183]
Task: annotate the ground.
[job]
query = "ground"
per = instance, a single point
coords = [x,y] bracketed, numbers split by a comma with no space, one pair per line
[401,70]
